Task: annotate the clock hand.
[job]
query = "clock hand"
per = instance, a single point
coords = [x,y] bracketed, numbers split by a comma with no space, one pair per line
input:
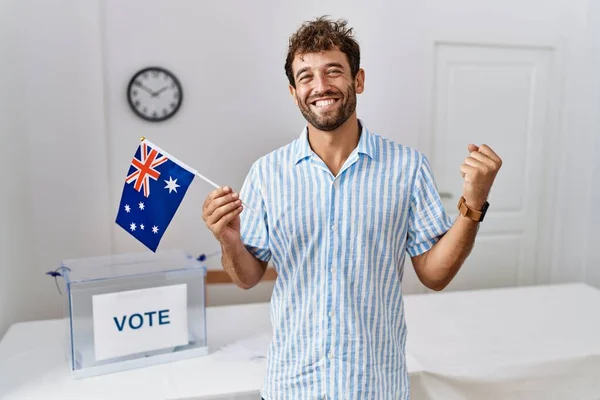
[145,88]
[160,91]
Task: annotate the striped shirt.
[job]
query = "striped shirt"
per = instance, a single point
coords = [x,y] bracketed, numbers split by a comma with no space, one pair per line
[338,244]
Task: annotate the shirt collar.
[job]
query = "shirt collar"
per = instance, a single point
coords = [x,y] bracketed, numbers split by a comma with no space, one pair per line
[365,145]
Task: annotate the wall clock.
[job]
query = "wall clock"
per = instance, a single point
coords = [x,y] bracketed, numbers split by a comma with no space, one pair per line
[154,94]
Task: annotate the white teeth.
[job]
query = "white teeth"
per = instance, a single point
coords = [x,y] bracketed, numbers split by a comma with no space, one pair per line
[323,103]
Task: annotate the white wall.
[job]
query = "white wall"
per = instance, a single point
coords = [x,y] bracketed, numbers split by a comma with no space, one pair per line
[15,265]
[576,235]
[66,125]
[55,200]
[592,216]
[592,250]
[66,112]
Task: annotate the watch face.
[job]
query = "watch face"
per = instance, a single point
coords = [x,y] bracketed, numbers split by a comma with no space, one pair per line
[154,94]
[484,209]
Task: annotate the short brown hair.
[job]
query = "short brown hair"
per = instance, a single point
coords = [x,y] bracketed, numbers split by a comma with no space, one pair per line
[319,35]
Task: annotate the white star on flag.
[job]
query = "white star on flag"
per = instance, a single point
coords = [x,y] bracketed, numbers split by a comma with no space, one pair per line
[132,226]
[155,229]
[141,205]
[171,185]
[127,208]
[142,226]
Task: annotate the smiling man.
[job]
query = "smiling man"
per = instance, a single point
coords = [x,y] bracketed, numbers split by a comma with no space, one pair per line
[335,212]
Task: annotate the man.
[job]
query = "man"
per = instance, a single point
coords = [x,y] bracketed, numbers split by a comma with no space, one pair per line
[335,212]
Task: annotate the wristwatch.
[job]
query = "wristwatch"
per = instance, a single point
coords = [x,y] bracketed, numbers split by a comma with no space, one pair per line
[471,213]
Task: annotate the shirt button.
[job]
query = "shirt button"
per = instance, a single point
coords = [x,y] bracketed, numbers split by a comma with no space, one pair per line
[330,356]
[333,227]
[331,315]
[333,270]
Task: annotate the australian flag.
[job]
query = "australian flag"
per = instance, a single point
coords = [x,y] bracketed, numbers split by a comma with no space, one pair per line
[154,188]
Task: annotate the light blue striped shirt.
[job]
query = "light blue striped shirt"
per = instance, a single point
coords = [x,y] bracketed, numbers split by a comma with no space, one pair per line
[338,244]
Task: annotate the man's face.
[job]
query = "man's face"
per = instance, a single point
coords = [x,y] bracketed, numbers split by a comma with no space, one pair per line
[325,91]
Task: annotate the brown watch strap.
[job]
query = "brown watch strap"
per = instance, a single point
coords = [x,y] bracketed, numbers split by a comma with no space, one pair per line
[468,212]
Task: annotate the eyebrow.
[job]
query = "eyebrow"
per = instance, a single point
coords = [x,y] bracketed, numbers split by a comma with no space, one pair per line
[328,65]
[300,71]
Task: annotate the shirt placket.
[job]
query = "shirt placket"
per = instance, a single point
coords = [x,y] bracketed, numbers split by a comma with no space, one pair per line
[332,274]
[329,193]
[332,286]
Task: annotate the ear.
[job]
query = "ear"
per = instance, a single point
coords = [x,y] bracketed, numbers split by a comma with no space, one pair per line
[293,93]
[359,81]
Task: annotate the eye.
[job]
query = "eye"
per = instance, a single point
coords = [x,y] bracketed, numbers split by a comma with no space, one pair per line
[305,78]
[334,71]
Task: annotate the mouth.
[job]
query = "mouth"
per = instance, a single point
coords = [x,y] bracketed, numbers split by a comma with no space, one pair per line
[323,104]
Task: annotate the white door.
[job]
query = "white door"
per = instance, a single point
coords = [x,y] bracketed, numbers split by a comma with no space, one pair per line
[497,95]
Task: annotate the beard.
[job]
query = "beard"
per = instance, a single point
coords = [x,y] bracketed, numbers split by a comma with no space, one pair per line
[332,119]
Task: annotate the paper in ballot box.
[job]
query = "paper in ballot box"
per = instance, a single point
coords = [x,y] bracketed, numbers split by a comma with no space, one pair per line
[133,310]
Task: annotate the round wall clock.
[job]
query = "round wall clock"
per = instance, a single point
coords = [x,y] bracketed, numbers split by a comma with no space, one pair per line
[154,94]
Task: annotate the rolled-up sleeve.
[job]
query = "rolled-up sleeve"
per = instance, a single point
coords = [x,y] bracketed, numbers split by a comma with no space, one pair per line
[254,229]
[428,220]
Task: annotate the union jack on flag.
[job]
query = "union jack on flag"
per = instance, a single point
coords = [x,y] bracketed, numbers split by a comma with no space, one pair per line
[152,171]
[145,168]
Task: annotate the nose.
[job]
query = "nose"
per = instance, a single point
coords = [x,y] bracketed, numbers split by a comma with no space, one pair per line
[321,84]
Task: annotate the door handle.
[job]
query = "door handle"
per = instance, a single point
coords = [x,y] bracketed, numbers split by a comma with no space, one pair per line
[446,195]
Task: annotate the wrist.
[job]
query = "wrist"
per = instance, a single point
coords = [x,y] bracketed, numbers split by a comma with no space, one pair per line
[474,211]
[231,249]
[468,220]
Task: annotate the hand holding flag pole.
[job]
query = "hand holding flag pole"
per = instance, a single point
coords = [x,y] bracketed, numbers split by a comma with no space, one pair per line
[199,175]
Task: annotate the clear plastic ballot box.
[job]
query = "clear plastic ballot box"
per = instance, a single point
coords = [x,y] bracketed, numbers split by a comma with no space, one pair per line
[133,310]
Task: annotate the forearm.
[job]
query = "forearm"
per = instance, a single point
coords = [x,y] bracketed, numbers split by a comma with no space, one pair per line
[244,269]
[437,267]
[443,261]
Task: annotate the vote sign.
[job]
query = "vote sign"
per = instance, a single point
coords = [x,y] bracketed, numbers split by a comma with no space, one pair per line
[141,320]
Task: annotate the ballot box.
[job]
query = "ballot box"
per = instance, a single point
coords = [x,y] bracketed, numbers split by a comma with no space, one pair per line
[132,310]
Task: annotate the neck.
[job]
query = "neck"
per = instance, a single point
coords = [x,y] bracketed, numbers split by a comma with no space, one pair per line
[334,147]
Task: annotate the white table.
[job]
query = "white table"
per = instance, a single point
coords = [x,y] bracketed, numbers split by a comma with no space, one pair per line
[518,343]
[539,342]
[33,364]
